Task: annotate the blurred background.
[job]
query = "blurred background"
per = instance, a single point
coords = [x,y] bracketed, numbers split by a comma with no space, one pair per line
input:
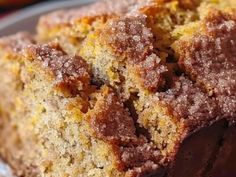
[9,6]
[17,15]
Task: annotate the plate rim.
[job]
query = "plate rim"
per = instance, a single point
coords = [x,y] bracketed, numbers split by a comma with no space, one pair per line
[35,11]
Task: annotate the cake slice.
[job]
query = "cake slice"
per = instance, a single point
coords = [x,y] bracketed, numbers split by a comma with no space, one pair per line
[135,89]
[11,146]
[62,125]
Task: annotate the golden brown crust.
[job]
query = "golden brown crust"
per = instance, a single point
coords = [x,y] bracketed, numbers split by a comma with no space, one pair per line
[197,151]
[98,9]
[112,123]
[186,4]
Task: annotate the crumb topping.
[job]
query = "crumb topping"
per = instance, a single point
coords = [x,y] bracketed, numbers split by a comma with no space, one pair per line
[186,101]
[137,156]
[210,59]
[130,35]
[67,69]
[130,38]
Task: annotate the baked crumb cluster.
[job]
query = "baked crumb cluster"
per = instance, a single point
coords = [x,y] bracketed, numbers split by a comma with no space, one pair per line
[116,88]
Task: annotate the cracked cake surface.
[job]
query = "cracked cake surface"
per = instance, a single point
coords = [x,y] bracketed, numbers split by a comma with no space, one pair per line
[133,88]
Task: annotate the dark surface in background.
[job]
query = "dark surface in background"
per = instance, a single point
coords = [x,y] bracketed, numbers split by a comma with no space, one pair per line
[9,6]
[6,5]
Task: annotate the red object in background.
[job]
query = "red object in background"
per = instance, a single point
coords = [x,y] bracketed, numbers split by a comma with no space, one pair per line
[10,4]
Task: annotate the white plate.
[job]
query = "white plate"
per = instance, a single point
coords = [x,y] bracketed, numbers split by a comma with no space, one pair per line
[26,20]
